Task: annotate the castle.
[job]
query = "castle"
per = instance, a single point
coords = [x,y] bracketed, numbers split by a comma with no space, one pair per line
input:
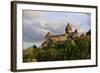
[50,38]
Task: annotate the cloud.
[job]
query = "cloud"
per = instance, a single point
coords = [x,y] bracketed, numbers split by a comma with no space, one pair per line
[33,34]
[27,45]
[36,24]
[31,13]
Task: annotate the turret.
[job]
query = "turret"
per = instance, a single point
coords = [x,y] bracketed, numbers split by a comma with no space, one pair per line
[76,31]
[68,29]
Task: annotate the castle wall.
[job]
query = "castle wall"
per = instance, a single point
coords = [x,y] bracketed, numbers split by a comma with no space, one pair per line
[59,38]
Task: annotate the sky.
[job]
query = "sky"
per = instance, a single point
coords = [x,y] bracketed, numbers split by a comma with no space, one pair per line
[36,24]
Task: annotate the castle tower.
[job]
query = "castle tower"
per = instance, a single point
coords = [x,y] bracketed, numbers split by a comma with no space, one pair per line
[68,29]
[76,31]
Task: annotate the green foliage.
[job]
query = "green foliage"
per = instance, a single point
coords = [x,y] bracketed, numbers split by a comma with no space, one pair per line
[34,46]
[71,49]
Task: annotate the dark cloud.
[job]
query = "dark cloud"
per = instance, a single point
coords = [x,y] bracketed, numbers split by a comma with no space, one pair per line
[33,34]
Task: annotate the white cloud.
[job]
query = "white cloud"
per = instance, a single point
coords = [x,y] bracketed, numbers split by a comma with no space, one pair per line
[27,45]
[36,26]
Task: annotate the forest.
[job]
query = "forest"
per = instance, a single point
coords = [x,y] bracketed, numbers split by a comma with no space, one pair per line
[78,48]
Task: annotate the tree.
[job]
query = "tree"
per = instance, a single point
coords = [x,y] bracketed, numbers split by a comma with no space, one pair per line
[71,49]
[34,46]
